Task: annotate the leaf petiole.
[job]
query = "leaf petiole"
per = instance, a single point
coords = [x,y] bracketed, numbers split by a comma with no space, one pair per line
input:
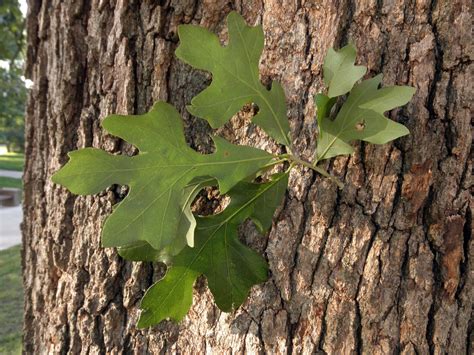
[295,160]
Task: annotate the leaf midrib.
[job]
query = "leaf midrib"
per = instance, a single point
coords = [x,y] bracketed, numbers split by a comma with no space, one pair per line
[168,166]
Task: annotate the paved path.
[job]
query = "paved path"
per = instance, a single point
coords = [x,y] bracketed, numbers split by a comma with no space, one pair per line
[10,219]
[11,173]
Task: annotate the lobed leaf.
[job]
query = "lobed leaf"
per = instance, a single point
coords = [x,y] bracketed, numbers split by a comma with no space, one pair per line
[362,118]
[235,77]
[340,72]
[230,267]
[163,178]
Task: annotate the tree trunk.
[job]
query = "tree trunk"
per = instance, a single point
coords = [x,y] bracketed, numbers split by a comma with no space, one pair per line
[383,266]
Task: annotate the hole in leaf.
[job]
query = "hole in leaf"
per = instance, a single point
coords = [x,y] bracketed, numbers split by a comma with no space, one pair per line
[209,201]
[360,126]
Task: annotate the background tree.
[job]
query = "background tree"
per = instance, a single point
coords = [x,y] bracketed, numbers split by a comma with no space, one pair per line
[12,87]
[383,266]
[12,27]
[12,108]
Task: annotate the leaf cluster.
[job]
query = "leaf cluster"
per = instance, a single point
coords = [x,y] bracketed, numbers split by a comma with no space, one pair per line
[155,222]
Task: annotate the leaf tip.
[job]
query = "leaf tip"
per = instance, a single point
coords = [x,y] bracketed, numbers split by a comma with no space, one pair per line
[404,131]
[411,90]
[55,177]
[192,109]
[234,16]
[144,319]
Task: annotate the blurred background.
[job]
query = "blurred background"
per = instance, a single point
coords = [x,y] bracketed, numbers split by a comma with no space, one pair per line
[13,94]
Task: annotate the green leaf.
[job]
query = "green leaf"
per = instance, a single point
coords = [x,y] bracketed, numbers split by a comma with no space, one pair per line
[323,105]
[230,267]
[340,73]
[171,297]
[161,178]
[143,251]
[235,77]
[361,118]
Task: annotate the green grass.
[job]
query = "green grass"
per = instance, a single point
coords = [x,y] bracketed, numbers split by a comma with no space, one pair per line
[11,301]
[12,161]
[10,182]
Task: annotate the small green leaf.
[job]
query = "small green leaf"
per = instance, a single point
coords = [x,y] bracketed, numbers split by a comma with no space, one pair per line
[161,177]
[340,73]
[323,105]
[235,78]
[361,118]
[230,267]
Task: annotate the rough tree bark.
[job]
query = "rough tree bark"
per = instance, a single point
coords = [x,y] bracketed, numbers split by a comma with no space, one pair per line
[384,266]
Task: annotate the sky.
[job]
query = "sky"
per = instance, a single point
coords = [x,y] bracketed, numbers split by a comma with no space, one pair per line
[23,7]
